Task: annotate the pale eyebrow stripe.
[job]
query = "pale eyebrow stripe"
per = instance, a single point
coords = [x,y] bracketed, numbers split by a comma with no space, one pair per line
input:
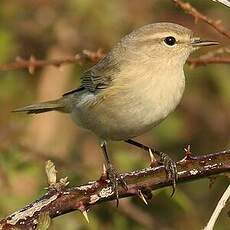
[162,35]
[165,33]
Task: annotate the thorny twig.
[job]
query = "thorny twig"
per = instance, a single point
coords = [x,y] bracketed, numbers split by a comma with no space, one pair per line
[216,24]
[60,200]
[32,64]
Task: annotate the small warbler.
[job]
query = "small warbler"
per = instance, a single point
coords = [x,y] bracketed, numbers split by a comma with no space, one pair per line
[131,90]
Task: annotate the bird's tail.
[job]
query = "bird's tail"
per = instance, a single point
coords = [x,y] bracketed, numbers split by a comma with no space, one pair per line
[58,105]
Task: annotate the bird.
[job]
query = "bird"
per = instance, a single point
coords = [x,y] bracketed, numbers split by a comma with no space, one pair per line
[131,90]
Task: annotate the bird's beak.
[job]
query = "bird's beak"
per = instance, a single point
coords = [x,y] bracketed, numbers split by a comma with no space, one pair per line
[197,42]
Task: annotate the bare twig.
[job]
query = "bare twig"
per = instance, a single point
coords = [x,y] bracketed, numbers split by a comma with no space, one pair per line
[218,209]
[32,64]
[60,200]
[225,2]
[219,56]
[195,62]
[216,24]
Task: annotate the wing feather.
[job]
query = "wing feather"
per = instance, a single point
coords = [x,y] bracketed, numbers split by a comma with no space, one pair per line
[101,75]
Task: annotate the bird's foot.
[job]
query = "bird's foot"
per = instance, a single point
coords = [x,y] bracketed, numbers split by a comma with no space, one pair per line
[169,164]
[171,169]
[115,178]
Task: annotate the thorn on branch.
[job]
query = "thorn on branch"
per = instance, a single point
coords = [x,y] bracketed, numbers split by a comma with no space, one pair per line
[153,161]
[147,193]
[31,67]
[83,209]
[94,56]
[86,216]
[188,153]
[141,196]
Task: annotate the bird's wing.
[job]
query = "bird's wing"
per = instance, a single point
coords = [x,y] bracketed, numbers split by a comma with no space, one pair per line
[101,75]
[73,91]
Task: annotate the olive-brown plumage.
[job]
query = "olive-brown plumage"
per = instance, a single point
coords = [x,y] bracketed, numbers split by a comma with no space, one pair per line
[133,88]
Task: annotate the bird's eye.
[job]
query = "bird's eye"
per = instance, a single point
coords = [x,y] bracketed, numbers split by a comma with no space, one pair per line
[170,41]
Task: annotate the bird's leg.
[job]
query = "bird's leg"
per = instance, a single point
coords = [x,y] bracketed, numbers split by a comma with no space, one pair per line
[112,174]
[169,164]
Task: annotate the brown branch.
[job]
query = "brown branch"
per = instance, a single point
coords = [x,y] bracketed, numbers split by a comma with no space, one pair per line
[32,64]
[213,57]
[60,200]
[216,24]
[195,62]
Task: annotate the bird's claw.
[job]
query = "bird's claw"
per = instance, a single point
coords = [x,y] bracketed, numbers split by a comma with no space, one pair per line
[115,179]
[171,169]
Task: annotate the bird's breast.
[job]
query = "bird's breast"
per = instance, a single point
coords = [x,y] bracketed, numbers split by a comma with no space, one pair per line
[131,106]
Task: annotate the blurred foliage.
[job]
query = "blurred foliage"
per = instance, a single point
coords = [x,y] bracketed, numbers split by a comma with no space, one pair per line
[202,120]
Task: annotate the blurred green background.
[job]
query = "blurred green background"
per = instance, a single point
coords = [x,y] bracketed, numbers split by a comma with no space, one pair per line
[53,29]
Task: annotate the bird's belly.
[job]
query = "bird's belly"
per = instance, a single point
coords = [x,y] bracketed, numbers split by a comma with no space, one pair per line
[114,123]
[125,116]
